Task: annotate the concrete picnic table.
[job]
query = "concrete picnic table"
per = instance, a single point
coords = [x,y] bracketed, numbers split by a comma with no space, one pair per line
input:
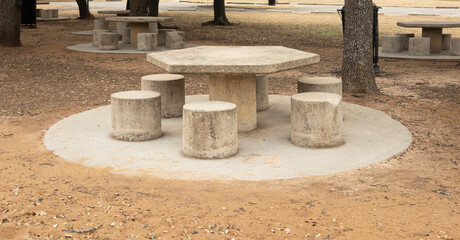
[232,71]
[117,12]
[139,24]
[431,29]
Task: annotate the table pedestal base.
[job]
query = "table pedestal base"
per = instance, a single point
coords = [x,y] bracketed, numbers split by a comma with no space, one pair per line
[136,28]
[239,89]
[435,35]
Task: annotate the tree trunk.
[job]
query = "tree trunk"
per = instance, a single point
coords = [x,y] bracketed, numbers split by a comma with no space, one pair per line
[83,8]
[10,24]
[144,8]
[357,65]
[219,14]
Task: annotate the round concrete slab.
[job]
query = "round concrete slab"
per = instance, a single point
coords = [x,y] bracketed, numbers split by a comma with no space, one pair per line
[266,153]
[122,48]
[445,55]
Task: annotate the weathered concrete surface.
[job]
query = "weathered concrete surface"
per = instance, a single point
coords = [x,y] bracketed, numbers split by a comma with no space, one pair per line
[96,35]
[239,89]
[172,90]
[175,39]
[162,36]
[419,46]
[446,41]
[49,13]
[108,41]
[121,26]
[266,153]
[210,130]
[445,55]
[100,24]
[232,59]
[136,115]
[126,35]
[146,41]
[316,120]
[319,84]
[405,39]
[456,47]
[391,43]
[263,102]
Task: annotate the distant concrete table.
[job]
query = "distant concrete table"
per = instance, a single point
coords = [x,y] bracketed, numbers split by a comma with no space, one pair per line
[138,24]
[117,12]
[431,29]
[232,71]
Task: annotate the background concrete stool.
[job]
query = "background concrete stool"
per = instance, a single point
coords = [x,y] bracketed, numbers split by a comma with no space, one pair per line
[108,41]
[456,46]
[210,130]
[172,90]
[175,39]
[153,27]
[126,35]
[49,13]
[391,44]
[262,93]
[419,46]
[121,27]
[100,24]
[446,41]
[319,84]
[96,34]
[316,120]
[162,36]
[136,115]
[146,41]
[405,40]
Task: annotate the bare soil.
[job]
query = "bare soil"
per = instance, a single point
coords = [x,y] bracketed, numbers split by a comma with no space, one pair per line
[411,196]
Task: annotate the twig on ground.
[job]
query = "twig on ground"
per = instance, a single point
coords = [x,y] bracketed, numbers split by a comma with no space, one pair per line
[83,231]
[6,135]
[444,193]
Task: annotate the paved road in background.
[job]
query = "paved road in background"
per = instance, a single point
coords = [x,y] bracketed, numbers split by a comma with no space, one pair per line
[182,6]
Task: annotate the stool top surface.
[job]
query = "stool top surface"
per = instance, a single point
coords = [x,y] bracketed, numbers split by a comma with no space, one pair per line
[210,106]
[318,97]
[320,80]
[162,77]
[133,95]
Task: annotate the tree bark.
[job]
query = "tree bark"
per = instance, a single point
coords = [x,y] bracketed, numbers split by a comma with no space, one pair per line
[83,8]
[357,65]
[10,24]
[219,14]
[144,8]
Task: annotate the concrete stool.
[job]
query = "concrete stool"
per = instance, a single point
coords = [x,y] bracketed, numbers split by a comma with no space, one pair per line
[39,12]
[419,46]
[162,36]
[100,24]
[175,40]
[96,34]
[210,130]
[146,41]
[172,90]
[136,115]
[121,27]
[404,37]
[49,13]
[319,84]
[153,27]
[108,41]
[456,46]
[316,120]
[446,41]
[126,35]
[262,93]
[391,44]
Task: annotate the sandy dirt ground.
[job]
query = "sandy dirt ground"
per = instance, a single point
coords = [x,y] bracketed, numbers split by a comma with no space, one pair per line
[414,195]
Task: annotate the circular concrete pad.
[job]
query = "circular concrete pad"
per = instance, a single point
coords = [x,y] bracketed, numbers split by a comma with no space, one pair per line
[266,153]
[122,48]
[404,54]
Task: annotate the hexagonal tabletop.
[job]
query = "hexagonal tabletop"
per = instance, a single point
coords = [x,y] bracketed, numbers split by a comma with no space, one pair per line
[232,59]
